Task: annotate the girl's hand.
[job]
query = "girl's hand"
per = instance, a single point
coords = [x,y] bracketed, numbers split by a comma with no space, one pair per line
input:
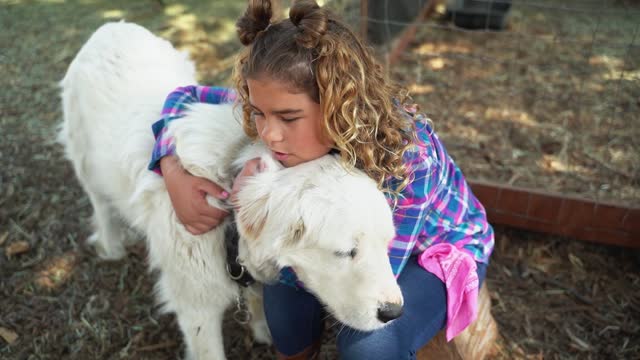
[188,197]
[251,168]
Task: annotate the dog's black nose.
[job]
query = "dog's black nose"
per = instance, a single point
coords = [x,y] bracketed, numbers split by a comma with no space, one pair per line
[389,311]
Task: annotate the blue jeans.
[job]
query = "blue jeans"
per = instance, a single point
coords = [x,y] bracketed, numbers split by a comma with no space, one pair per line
[295,318]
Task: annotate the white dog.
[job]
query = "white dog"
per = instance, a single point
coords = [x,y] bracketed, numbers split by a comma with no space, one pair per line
[330,225]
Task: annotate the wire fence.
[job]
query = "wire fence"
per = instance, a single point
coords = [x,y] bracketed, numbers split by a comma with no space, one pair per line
[538,94]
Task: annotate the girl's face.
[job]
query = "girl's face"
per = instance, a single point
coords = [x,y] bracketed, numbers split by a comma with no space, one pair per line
[288,123]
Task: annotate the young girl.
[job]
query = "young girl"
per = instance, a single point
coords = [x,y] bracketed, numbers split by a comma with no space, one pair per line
[308,86]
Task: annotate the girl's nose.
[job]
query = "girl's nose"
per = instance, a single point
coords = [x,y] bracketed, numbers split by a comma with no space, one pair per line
[271,132]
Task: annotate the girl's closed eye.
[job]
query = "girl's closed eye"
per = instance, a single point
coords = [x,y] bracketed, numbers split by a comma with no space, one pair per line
[290,119]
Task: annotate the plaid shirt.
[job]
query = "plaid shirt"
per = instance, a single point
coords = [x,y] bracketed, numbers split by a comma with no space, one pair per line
[437,206]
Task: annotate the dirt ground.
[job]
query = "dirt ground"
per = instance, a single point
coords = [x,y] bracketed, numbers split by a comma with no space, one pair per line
[554,108]
[551,103]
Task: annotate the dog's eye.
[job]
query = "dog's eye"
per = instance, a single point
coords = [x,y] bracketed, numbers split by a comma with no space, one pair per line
[351,253]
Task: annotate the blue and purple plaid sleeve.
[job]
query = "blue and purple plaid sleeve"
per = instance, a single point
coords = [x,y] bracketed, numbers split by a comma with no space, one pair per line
[174,107]
[437,206]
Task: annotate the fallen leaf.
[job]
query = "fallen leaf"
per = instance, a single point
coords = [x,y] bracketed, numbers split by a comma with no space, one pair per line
[575,261]
[3,238]
[577,342]
[8,335]
[56,271]
[17,247]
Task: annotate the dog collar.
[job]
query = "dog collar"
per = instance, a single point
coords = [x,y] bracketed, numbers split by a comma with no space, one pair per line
[237,272]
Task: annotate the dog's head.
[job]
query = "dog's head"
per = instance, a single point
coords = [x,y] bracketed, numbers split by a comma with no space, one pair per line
[333,227]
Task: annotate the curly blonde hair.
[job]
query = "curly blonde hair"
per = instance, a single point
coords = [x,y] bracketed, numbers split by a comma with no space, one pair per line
[316,53]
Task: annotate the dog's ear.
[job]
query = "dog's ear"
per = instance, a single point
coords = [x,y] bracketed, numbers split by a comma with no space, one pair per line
[252,201]
[252,216]
[267,208]
[295,234]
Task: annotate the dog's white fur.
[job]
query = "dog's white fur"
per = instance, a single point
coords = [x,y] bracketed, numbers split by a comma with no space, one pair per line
[307,217]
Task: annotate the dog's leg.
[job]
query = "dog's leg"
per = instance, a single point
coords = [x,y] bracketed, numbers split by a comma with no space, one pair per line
[258,323]
[195,288]
[202,330]
[108,238]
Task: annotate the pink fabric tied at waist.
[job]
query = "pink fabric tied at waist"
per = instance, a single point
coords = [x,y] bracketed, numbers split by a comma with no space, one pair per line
[457,270]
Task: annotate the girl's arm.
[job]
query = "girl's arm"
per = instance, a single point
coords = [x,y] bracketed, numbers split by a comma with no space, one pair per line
[187,192]
[413,206]
[437,206]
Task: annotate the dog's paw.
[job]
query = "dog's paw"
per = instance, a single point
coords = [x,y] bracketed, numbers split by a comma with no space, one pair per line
[261,332]
[109,253]
[189,356]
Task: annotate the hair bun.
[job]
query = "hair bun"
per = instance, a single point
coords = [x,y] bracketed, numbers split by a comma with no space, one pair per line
[255,19]
[312,21]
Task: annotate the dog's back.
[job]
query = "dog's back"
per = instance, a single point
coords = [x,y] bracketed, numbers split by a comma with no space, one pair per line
[113,91]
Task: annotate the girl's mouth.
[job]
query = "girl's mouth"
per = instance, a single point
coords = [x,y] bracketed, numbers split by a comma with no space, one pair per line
[280,156]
